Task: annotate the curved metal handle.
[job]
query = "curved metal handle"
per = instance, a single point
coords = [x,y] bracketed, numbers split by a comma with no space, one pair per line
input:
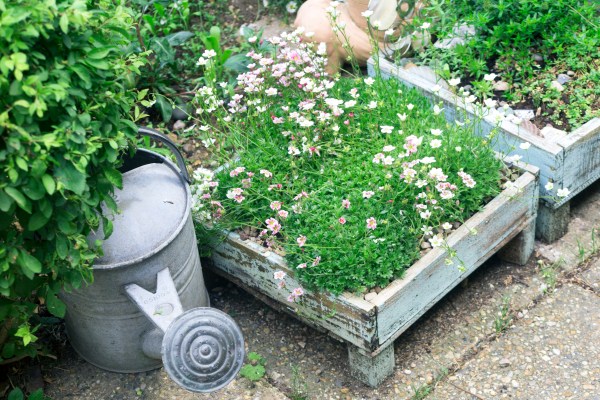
[154,134]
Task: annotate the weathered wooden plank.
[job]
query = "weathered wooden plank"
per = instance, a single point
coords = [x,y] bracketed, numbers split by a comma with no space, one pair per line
[404,301]
[369,369]
[347,316]
[582,158]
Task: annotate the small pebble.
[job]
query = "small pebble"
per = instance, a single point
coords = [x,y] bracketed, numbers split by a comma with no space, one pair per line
[537,57]
[179,125]
[570,73]
[425,245]
[563,78]
[504,362]
[556,85]
[525,114]
[501,86]
[370,296]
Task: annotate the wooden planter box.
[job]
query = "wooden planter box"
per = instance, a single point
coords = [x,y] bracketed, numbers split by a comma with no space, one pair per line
[370,327]
[568,160]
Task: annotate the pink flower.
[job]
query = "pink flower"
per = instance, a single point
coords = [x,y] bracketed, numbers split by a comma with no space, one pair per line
[316,261]
[346,203]
[273,225]
[301,266]
[301,195]
[342,220]
[237,171]
[297,292]
[279,275]
[275,205]
[283,214]
[371,223]
[301,240]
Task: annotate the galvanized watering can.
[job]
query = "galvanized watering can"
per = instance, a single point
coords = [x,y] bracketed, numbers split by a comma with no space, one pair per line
[148,302]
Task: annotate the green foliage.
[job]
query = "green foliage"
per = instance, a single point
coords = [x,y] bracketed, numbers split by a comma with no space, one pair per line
[527,42]
[254,370]
[66,92]
[17,394]
[504,317]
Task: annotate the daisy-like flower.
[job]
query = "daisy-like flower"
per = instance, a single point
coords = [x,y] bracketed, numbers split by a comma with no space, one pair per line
[402,117]
[367,194]
[410,106]
[346,203]
[273,225]
[435,143]
[436,241]
[427,230]
[301,240]
[436,132]
[425,214]
[389,148]
[447,226]
[371,223]
[564,192]
[369,81]
[386,129]
[436,88]
[454,82]
[283,214]
[301,266]
[291,7]
[549,186]
[372,104]
[342,220]
[425,25]
[437,110]
[266,173]
[271,91]
[275,205]
[367,13]
[316,261]
[279,275]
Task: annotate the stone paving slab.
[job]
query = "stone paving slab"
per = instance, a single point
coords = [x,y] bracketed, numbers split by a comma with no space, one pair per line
[552,353]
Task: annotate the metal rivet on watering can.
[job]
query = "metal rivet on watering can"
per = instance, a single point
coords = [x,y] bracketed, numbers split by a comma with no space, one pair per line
[152,258]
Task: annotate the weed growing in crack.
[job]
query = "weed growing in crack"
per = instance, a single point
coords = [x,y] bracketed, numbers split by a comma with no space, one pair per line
[504,317]
[299,386]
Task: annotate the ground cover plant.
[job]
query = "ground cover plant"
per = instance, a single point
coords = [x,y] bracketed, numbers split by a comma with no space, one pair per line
[544,53]
[348,177]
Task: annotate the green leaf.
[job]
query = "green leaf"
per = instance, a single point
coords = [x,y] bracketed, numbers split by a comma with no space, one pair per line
[37,221]
[34,189]
[8,351]
[55,305]
[177,38]
[64,23]
[237,63]
[114,177]
[17,196]
[253,372]
[100,53]
[16,394]
[49,184]
[71,177]
[99,64]
[37,395]
[164,107]
[29,264]
[5,201]
[62,246]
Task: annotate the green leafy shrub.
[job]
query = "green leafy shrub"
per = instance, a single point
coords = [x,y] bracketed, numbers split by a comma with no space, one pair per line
[65,98]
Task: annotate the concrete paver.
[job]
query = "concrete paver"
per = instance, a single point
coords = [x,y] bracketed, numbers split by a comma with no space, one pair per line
[552,353]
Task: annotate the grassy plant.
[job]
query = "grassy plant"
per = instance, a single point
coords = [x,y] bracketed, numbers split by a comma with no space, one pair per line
[504,316]
[299,386]
[549,273]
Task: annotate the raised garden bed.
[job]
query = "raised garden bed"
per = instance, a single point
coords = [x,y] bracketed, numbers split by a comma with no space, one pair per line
[370,327]
[567,159]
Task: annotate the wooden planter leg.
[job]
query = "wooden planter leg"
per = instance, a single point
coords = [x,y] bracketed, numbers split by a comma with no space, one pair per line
[518,250]
[552,223]
[371,370]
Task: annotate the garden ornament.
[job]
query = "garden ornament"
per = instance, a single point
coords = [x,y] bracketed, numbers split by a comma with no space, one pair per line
[148,302]
[332,22]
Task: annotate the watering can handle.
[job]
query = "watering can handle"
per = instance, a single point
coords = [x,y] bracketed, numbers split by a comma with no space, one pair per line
[167,142]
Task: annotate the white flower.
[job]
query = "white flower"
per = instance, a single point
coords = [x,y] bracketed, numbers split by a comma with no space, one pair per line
[278,275]
[425,25]
[436,241]
[437,110]
[436,132]
[402,117]
[563,192]
[436,88]
[410,106]
[369,81]
[201,61]
[291,7]
[388,148]
[435,143]
[525,145]
[389,32]
[252,39]
[549,186]
[386,129]
[489,77]
[454,82]
[271,91]
[447,226]
[367,13]
[458,149]
[209,53]
[489,103]
[373,104]
[376,24]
